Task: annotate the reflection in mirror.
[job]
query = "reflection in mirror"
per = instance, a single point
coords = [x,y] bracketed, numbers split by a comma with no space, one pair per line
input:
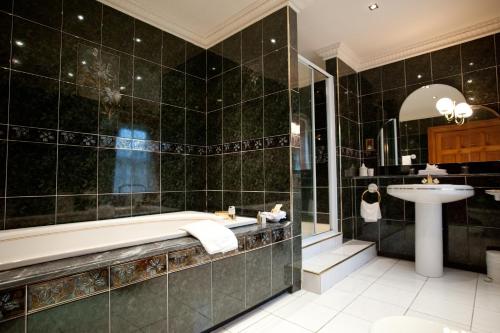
[437,126]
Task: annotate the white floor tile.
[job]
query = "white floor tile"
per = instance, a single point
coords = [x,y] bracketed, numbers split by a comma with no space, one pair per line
[278,302]
[450,324]
[442,308]
[344,323]
[489,287]
[354,284]
[388,294]
[306,313]
[372,310]
[376,267]
[488,301]
[407,284]
[333,299]
[272,323]
[486,321]
[245,321]
[448,294]
[455,279]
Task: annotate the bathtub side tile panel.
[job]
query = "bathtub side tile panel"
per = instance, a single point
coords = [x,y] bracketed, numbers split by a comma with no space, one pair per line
[13,326]
[281,266]
[228,287]
[189,300]
[86,315]
[140,307]
[258,282]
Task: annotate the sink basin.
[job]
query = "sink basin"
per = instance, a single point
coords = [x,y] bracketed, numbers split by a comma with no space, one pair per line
[423,193]
[428,201]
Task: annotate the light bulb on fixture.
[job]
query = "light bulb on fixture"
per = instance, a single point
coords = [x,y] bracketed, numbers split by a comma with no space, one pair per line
[463,110]
[445,105]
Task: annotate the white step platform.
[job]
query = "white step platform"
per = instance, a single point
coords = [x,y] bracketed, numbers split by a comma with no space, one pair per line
[322,270]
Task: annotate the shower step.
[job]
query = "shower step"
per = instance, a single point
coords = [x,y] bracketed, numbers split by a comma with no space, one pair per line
[322,271]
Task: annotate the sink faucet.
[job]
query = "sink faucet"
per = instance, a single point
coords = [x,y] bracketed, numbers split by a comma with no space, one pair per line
[429,180]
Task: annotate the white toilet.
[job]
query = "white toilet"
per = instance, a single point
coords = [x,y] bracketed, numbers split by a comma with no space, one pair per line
[404,324]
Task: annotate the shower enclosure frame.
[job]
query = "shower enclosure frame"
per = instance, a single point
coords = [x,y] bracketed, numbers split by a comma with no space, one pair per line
[332,144]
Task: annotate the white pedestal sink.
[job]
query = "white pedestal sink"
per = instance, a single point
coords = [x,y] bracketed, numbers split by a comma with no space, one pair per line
[428,201]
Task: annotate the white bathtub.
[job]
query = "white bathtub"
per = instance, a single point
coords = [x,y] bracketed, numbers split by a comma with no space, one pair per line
[22,247]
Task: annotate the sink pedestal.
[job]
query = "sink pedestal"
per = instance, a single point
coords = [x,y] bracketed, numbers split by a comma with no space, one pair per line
[429,239]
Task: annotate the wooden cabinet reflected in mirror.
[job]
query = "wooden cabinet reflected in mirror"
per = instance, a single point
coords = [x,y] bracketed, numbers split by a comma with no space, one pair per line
[439,136]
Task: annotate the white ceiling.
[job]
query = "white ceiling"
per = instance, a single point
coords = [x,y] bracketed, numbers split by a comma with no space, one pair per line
[366,38]
[394,26]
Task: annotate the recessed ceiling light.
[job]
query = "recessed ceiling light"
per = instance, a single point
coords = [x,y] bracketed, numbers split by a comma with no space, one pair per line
[80,17]
[373,6]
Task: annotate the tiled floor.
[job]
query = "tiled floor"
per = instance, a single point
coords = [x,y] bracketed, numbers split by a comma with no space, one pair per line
[383,287]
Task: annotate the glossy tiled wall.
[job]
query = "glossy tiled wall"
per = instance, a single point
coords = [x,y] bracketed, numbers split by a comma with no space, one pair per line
[101,115]
[471,67]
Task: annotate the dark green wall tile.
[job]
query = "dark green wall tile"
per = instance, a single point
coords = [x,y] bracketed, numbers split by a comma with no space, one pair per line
[276,114]
[29,212]
[13,326]
[232,123]
[252,203]
[252,80]
[195,128]
[147,40]
[39,179]
[48,13]
[231,51]
[174,52]
[87,315]
[173,87]
[214,128]
[195,99]
[195,172]
[173,202]
[214,93]
[232,86]
[276,71]
[140,307]
[173,172]
[478,54]
[251,42]
[173,120]
[116,119]
[253,170]
[30,93]
[277,169]
[83,19]
[113,206]
[275,30]
[76,208]
[418,69]
[258,282]
[189,300]
[147,80]
[252,114]
[146,204]
[228,287]
[117,30]
[146,120]
[77,170]
[446,62]
[214,170]
[196,60]
[232,171]
[214,60]
[36,48]
[282,266]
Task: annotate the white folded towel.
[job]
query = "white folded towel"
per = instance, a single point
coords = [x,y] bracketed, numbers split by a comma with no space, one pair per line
[274,217]
[213,236]
[432,169]
[370,211]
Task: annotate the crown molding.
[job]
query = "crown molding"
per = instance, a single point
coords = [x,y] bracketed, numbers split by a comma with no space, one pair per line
[341,51]
[475,31]
[240,20]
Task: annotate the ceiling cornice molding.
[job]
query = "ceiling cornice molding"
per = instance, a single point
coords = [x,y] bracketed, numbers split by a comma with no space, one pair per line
[240,20]
[133,9]
[341,51]
[456,37]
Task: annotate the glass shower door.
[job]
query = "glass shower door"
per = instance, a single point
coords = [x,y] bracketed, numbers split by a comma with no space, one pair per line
[313,162]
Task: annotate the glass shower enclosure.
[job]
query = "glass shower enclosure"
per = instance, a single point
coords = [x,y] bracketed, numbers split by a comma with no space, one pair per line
[317,161]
